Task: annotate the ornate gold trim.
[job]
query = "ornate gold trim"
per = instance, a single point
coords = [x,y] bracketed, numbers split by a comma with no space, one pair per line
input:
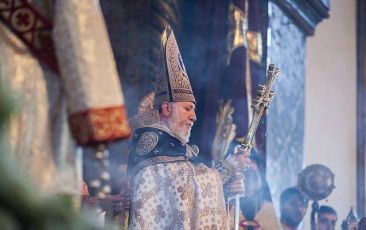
[99,125]
[146,143]
[24,20]
[156,160]
[255,50]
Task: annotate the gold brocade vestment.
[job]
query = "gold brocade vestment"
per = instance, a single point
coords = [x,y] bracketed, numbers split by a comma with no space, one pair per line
[168,190]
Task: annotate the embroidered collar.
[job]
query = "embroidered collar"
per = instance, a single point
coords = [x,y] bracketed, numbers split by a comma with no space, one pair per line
[156,141]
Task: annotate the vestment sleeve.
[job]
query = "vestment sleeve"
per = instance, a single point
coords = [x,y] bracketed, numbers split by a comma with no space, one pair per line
[225,169]
[88,72]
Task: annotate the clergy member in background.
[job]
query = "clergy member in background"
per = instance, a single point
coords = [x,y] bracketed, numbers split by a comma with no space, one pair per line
[68,95]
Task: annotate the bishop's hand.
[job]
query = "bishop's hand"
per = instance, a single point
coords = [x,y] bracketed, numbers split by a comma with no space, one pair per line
[241,161]
[235,186]
[240,158]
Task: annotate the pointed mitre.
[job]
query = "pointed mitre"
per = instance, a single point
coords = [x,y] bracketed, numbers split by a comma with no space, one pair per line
[172,82]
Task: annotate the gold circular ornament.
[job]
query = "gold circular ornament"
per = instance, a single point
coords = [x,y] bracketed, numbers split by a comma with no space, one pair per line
[146,143]
[23,19]
[316,181]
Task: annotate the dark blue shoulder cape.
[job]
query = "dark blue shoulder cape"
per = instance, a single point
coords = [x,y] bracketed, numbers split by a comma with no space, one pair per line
[154,146]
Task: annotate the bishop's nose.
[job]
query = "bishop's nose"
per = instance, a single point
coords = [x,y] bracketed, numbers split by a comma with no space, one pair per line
[193,116]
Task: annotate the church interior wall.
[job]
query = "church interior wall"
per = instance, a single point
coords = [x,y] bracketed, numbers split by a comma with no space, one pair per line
[330,102]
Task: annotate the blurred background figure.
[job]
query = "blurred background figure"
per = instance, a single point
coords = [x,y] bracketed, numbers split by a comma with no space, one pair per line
[351,222]
[362,224]
[293,206]
[327,218]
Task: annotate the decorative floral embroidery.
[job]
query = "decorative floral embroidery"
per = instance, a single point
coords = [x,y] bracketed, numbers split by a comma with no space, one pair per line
[146,143]
[96,125]
[207,190]
[226,170]
[144,119]
[30,27]
[178,195]
[159,213]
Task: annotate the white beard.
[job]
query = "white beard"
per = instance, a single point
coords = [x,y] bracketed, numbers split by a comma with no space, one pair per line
[179,133]
[182,135]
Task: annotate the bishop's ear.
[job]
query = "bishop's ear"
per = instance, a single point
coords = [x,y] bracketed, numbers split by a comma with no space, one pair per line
[165,109]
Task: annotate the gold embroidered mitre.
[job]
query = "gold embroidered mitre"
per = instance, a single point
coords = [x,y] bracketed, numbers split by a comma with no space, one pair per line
[172,82]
